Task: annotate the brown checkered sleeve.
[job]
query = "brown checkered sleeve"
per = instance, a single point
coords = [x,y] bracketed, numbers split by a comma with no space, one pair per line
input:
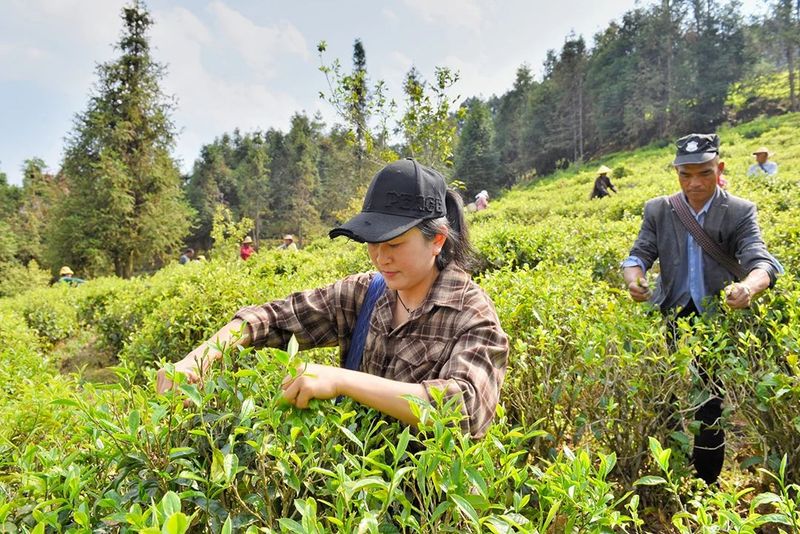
[476,368]
[320,317]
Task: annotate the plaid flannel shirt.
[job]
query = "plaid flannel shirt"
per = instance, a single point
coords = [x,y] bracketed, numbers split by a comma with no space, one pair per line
[453,341]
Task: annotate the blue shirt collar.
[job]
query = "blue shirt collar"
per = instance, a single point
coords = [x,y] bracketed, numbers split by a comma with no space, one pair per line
[705,206]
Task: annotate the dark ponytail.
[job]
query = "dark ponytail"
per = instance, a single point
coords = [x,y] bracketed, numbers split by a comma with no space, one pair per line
[457,248]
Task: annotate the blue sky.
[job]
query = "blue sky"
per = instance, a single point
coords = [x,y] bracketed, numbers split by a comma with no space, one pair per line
[253,63]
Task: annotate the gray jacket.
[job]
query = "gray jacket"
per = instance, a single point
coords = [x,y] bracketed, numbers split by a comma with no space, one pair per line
[730,221]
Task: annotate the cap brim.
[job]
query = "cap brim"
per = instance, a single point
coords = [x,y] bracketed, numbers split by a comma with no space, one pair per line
[372,227]
[689,159]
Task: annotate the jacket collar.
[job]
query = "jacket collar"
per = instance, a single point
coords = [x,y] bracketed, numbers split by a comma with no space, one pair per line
[448,289]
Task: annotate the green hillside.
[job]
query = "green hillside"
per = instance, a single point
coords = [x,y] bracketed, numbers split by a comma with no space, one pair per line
[585,440]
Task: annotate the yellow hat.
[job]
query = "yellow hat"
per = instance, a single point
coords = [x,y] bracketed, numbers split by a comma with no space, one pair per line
[248,239]
[65,271]
[603,170]
[762,150]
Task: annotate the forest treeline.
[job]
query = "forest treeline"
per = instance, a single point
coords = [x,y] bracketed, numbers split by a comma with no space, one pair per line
[119,204]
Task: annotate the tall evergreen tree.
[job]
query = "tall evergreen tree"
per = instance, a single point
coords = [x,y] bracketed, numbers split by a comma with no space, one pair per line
[509,111]
[712,52]
[205,190]
[556,110]
[252,177]
[40,192]
[358,104]
[608,82]
[10,196]
[784,27]
[125,208]
[476,161]
[302,215]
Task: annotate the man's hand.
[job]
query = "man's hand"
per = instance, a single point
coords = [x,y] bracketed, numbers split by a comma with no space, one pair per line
[640,289]
[738,295]
[313,382]
[636,283]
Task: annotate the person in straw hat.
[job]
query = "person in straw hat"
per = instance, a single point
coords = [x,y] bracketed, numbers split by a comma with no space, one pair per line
[66,275]
[602,183]
[416,323]
[288,243]
[763,166]
[246,250]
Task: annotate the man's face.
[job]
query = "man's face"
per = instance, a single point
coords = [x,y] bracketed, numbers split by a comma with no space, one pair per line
[699,180]
[761,157]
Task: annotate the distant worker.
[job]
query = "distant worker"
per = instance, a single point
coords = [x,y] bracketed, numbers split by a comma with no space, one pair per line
[65,275]
[602,183]
[481,200]
[288,243]
[707,241]
[762,166]
[246,249]
[187,256]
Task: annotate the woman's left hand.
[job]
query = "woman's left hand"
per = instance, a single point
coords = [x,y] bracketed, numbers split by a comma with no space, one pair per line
[312,382]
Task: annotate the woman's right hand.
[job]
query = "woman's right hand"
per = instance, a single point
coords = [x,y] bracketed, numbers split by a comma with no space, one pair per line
[193,365]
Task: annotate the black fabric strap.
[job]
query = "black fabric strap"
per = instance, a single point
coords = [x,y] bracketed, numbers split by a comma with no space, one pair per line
[709,246]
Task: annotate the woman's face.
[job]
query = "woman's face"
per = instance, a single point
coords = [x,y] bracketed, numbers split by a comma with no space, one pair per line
[406,261]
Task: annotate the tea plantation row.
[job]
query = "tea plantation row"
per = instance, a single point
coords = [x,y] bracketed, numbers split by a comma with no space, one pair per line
[592,434]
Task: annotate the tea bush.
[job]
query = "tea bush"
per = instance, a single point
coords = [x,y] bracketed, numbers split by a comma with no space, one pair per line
[592,434]
[51,313]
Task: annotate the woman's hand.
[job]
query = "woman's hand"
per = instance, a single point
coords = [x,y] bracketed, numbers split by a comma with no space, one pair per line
[312,382]
[193,365]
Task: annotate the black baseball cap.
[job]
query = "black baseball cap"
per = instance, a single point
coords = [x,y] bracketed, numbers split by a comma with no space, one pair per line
[401,195]
[696,148]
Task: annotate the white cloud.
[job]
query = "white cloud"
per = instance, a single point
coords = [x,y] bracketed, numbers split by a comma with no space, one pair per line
[458,13]
[482,77]
[37,35]
[259,46]
[211,103]
[394,71]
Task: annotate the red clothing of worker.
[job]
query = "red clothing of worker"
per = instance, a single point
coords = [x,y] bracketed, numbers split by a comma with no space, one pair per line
[246,251]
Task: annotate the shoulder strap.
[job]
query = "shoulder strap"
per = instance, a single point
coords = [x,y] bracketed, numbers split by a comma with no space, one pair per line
[359,337]
[709,246]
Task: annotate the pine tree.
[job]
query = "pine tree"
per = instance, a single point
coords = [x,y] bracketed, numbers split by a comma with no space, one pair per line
[204,190]
[784,24]
[302,216]
[509,126]
[125,208]
[476,161]
[10,196]
[40,192]
[358,104]
[252,177]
